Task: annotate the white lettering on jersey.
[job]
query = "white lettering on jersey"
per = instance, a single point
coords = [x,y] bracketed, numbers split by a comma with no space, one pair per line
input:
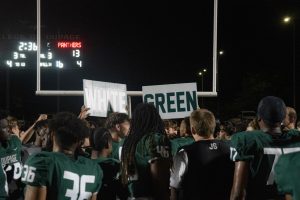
[213,146]
[79,185]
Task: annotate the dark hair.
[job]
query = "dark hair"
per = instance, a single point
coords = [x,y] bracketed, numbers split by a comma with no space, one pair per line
[68,129]
[115,118]
[145,120]
[228,127]
[100,139]
[272,110]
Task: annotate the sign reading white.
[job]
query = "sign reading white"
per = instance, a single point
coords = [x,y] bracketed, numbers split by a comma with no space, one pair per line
[173,100]
[99,95]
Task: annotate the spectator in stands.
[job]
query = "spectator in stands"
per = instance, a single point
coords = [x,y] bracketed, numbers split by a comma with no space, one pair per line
[118,125]
[202,170]
[146,155]
[56,175]
[10,162]
[254,153]
[101,143]
[290,119]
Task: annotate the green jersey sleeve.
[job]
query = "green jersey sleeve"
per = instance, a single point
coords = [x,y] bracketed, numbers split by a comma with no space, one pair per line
[36,171]
[242,147]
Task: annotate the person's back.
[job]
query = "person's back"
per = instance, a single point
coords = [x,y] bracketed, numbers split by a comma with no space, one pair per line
[65,176]
[255,153]
[210,170]
[202,170]
[261,149]
[62,174]
[111,188]
[101,145]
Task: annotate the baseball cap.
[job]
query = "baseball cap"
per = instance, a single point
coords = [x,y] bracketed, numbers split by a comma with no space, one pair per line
[271,109]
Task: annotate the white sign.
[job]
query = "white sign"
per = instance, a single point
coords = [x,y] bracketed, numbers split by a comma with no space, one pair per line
[99,95]
[173,100]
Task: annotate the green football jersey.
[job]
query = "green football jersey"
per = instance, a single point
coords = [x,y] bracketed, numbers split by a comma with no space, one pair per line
[262,151]
[116,149]
[65,177]
[149,148]
[287,174]
[10,157]
[177,143]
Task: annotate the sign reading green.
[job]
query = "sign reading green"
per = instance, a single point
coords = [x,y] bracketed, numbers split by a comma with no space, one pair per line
[173,100]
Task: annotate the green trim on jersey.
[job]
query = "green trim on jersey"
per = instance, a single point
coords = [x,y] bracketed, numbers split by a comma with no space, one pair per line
[152,146]
[10,159]
[62,174]
[177,143]
[287,174]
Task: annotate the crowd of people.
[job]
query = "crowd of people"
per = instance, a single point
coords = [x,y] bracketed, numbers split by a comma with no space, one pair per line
[144,157]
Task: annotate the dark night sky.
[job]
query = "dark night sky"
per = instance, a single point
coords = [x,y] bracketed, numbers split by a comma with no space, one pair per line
[159,42]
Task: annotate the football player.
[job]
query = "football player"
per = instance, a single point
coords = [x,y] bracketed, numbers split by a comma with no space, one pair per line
[255,153]
[101,143]
[10,159]
[146,155]
[118,125]
[62,174]
[203,169]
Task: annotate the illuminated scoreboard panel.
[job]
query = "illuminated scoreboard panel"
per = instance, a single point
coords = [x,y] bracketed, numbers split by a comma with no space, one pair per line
[58,54]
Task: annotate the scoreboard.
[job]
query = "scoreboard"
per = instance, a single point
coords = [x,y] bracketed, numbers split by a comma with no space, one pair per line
[53,54]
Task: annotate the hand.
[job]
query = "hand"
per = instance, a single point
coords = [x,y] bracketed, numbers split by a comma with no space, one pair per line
[42,117]
[84,112]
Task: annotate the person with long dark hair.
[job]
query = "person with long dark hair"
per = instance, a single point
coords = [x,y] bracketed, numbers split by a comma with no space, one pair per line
[146,155]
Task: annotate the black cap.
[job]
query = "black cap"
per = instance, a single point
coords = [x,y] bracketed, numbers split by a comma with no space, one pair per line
[272,110]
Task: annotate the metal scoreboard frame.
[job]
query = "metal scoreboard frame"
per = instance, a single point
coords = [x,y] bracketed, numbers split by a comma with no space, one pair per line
[41,92]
